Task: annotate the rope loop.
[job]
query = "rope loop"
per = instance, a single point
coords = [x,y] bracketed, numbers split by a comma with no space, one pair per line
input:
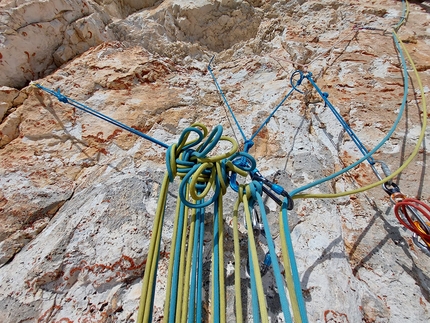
[298,82]
[248,144]
[244,160]
[171,162]
[250,190]
[210,143]
[255,188]
[201,171]
[244,164]
[182,142]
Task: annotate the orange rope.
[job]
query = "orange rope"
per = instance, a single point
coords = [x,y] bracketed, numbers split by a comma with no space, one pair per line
[403,215]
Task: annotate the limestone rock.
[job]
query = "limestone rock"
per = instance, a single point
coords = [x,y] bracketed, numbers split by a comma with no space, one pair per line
[188,27]
[33,31]
[78,195]
[9,128]
[80,35]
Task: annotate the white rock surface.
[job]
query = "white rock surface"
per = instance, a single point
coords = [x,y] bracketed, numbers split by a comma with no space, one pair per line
[78,196]
[38,36]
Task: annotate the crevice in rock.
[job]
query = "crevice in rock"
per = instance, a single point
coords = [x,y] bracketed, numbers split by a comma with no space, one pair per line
[124,8]
[28,231]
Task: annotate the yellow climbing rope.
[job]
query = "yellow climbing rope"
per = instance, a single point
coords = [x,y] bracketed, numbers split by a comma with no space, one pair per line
[245,195]
[237,284]
[145,306]
[200,175]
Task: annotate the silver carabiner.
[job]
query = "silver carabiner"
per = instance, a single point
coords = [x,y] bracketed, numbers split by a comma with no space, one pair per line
[424,248]
[257,223]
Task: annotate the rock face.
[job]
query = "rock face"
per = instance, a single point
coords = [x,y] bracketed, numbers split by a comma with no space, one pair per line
[39,36]
[78,195]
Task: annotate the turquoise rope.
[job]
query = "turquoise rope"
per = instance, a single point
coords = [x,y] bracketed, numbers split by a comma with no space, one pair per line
[249,143]
[210,143]
[271,115]
[294,88]
[225,99]
[200,269]
[294,270]
[216,273]
[176,261]
[183,187]
[278,276]
[402,19]
[194,276]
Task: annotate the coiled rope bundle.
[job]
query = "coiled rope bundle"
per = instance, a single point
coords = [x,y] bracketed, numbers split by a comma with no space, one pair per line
[204,181]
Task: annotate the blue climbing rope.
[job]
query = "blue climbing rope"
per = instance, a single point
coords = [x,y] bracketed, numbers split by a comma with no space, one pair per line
[405,12]
[194,267]
[293,88]
[248,143]
[215,267]
[64,99]
[225,99]
[324,96]
[256,189]
[382,142]
[293,264]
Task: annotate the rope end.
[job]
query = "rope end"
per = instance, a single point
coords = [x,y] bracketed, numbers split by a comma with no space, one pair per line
[34,84]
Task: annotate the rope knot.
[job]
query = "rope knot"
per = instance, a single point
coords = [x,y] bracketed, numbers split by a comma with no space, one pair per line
[61,97]
[201,172]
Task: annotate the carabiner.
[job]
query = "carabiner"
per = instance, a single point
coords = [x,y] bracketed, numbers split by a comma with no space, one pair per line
[390,191]
[257,223]
[278,189]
